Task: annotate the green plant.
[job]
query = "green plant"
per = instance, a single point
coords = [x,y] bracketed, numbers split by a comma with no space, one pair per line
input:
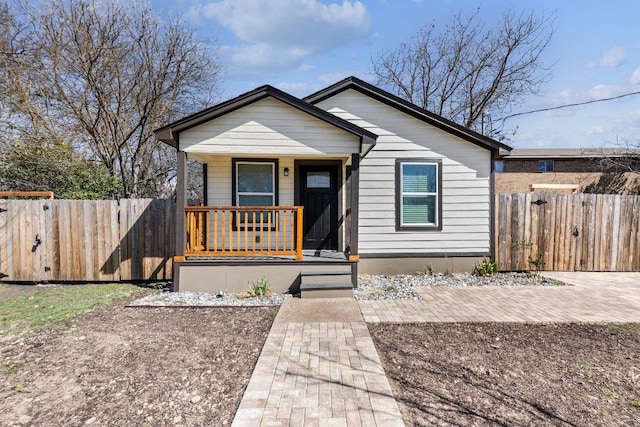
[429,270]
[44,308]
[259,288]
[636,403]
[521,245]
[485,268]
[12,368]
[582,367]
[624,328]
[90,390]
[537,263]
[275,311]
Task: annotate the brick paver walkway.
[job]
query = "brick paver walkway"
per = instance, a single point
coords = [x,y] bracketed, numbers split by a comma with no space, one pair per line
[592,297]
[319,366]
[318,374]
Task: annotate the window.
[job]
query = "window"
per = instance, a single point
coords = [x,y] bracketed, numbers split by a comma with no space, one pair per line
[545,165]
[255,183]
[498,166]
[418,194]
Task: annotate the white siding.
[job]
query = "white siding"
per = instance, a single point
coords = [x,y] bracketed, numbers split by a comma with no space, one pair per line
[219,181]
[465,181]
[267,127]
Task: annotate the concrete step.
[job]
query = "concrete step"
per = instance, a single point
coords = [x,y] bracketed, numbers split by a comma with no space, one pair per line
[326,290]
[320,277]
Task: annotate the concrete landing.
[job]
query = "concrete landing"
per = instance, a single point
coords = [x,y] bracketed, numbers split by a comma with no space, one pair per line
[319,310]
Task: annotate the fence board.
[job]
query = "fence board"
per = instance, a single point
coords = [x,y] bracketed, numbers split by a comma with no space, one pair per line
[589,232]
[84,240]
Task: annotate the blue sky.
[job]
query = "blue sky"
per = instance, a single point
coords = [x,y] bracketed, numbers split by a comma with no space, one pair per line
[301,46]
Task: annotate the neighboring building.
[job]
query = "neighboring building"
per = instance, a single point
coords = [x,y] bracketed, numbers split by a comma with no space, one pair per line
[522,168]
[351,179]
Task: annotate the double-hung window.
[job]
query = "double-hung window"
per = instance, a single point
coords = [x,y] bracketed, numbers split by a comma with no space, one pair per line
[545,166]
[419,194]
[255,184]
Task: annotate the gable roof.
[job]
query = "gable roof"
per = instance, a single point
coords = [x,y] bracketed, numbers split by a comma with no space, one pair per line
[169,133]
[398,103]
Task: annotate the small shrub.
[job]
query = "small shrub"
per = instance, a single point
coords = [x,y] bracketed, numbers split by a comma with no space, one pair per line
[429,271]
[259,288]
[636,403]
[485,268]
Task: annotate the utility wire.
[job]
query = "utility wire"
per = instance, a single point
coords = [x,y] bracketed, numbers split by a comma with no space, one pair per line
[593,101]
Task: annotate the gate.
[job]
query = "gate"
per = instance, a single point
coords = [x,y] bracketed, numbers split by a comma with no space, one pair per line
[567,232]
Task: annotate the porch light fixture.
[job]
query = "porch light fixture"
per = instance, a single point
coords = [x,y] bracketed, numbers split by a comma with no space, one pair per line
[286,171]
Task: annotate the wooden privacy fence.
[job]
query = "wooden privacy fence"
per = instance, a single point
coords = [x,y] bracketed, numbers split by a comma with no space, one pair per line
[567,232]
[86,240]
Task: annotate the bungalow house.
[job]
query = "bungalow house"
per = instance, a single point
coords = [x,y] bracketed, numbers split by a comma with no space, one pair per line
[311,192]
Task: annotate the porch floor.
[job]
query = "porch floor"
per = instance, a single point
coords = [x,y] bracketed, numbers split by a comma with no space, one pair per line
[307,255]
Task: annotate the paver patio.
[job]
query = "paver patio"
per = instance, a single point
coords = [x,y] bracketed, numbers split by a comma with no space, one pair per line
[591,297]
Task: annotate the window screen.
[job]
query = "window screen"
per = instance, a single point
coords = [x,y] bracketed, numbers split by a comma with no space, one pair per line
[419,194]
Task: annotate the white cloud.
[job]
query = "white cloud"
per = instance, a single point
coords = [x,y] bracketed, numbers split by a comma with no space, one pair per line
[614,57]
[603,91]
[331,78]
[598,129]
[297,88]
[635,77]
[280,34]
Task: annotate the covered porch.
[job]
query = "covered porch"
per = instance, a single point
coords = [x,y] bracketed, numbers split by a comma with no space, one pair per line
[312,242]
[281,188]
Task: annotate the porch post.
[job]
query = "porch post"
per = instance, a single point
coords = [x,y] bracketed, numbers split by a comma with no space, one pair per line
[355,199]
[181,202]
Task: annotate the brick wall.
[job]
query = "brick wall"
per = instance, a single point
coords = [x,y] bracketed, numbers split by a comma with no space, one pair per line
[521,182]
[560,165]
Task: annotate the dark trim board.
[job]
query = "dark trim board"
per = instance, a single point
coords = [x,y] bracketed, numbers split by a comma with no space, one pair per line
[169,133]
[413,110]
[181,202]
[398,198]
[205,184]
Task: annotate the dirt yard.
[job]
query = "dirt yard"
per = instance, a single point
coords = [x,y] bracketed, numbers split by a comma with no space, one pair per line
[513,374]
[119,366]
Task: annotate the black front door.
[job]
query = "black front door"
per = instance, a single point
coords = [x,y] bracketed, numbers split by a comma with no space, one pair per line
[319,196]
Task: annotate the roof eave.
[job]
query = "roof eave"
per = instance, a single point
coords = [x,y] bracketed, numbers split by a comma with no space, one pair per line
[169,133]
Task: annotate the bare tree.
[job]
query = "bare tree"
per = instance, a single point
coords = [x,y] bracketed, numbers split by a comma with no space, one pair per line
[101,76]
[623,157]
[467,72]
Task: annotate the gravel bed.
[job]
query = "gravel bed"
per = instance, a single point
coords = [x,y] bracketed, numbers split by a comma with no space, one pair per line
[383,287]
[185,299]
[380,287]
